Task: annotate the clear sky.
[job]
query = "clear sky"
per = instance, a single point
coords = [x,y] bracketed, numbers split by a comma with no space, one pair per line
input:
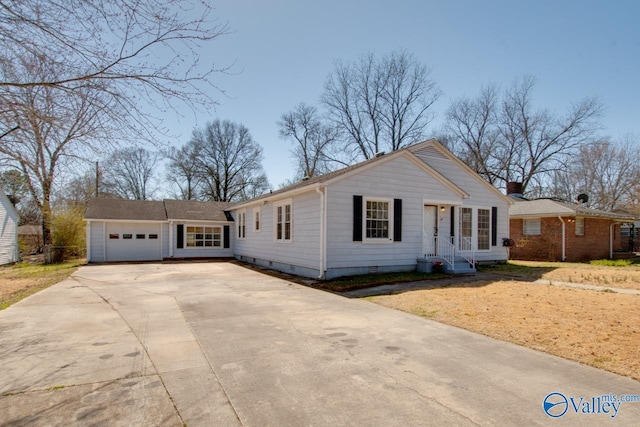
[284,49]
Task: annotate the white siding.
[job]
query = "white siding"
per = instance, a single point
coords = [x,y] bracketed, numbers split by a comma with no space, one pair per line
[9,250]
[302,251]
[399,178]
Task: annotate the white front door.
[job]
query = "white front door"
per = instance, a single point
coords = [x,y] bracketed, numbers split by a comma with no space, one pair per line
[430,230]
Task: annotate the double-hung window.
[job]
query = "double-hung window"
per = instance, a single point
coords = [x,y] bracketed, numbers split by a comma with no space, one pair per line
[531,227]
[284,222]
[377,220]
[579,226]
[256,219]
[242,224]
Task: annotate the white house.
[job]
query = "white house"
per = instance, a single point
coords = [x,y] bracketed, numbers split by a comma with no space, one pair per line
[137,230]
[390,213]
[398,211]
[9,248]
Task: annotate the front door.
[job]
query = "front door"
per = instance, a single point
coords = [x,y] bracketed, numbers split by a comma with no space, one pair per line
[430,230]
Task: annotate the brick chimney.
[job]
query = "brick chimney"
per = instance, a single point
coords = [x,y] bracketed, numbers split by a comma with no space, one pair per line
[514,189]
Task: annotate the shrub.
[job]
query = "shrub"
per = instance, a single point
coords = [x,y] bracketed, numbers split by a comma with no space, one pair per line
[611,262]
[67,234]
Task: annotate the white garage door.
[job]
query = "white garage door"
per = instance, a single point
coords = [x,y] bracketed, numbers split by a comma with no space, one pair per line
[133,242]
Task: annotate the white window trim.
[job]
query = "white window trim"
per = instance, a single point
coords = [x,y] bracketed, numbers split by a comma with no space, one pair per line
[524,227]
[257,219]
[276,205]
[376,240]
[242,221]
[208,248]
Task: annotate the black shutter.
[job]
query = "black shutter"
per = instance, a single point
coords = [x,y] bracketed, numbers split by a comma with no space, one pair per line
[452,226]
[357,218]
[180,236]
[494,226]
[226,234]
[397,220]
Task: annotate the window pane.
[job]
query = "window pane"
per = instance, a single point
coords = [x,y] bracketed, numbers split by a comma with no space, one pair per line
[377,220]
[484,222]
[531,227]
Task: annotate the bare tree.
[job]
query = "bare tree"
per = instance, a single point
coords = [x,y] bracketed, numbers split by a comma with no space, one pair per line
[471,128]
[135,50]
[508,140]
[55,128]
[130,173]
[380,104]
[608,172]
[183,171]
[312,139]
[229,162]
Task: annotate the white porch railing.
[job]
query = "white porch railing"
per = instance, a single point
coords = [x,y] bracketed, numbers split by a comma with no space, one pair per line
[443,248]
[466,250]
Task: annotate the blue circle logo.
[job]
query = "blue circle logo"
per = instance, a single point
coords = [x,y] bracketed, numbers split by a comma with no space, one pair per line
[555,405]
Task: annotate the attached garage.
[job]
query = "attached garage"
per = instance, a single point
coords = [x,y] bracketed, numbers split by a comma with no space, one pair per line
[138,230]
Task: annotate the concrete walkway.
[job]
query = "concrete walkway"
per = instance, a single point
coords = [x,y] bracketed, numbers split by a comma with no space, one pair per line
[214,344]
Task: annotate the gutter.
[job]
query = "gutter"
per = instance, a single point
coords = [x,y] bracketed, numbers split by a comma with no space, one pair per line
[564,238]
[323,229]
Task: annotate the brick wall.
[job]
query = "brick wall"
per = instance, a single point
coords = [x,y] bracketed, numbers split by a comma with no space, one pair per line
[594,244]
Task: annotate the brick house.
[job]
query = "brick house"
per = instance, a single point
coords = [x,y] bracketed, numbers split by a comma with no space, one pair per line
[549,230]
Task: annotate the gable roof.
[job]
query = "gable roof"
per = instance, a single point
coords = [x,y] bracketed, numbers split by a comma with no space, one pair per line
[194,210]
[344,172]
[553,208]
[120,209]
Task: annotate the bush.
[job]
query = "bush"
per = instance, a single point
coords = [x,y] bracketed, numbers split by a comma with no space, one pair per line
[611,262]
[67,234]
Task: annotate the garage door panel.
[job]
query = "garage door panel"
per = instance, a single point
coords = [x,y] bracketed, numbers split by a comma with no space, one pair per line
[133,242]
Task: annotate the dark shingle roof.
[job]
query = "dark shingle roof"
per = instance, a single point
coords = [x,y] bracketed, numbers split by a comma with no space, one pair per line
[145,210]
[140,210]
[195,210]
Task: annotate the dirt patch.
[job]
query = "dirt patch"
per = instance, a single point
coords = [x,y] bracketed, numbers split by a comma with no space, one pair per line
[601,329]
[625,277]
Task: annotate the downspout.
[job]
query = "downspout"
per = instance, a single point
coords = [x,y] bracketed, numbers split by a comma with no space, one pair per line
[323,230]
[88,238]
[564,232]
[611,227]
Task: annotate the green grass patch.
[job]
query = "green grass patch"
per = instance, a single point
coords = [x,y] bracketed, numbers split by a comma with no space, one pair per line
[350,283]
[24,279]
[612,262]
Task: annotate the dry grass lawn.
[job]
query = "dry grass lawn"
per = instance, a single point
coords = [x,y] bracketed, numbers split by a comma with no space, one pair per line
[627,277]
[21,280]
[600,329]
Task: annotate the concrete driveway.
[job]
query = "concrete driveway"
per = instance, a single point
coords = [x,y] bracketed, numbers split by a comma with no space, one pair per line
[215,344]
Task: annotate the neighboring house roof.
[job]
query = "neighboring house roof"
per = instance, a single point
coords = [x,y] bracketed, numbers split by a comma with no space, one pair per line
[196,211]
[552,208]
[147,210]
[119,209]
